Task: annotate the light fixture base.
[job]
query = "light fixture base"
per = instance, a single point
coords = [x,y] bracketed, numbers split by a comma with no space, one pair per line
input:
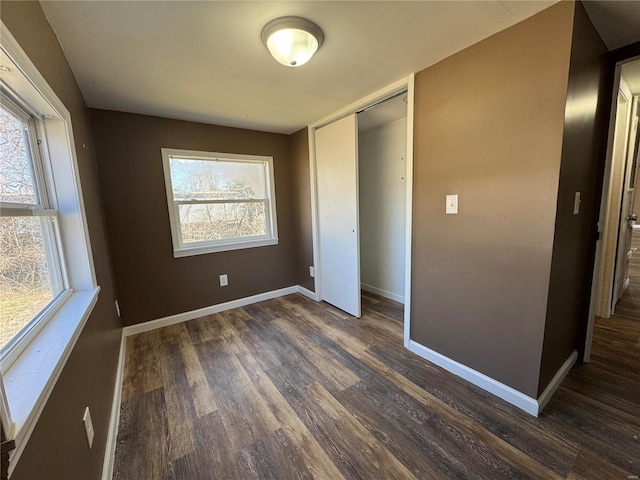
[292,41]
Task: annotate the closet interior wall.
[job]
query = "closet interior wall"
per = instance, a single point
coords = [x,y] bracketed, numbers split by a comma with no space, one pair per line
[382,141]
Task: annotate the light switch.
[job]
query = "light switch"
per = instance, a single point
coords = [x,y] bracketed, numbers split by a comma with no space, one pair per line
[452,205]
[576,203]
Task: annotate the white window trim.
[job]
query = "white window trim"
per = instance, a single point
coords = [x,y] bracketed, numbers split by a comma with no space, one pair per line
[183,250]
[53,246]
[29,379]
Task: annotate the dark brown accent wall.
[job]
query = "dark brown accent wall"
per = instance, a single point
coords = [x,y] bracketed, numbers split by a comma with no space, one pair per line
[572,265]
[301,190]
[6,447]
[57,448]
[152,283]
[488,127]
[624,53]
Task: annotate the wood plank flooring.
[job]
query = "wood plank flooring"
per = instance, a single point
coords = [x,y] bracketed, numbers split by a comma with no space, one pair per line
[294,389]
[629,304]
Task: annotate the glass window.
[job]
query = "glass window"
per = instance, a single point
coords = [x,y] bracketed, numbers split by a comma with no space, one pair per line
[219,201]
[31,274]
[48,286]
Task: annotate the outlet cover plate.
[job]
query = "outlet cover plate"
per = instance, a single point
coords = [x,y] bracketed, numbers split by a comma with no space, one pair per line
[452,205]
[576,203]
[88,426]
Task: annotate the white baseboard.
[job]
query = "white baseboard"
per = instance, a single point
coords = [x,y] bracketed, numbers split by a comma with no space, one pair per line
[514,397]
[308,293]
[110,450]
[524,402]
[114,420]
[626,283]
[201,312]
[557,379]
[382,293]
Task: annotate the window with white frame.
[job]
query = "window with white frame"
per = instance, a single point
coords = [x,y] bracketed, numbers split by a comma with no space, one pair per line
[47,279]
[219,201]
[32,274]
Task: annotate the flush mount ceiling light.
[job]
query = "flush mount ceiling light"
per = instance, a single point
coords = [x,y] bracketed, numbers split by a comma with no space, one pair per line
[292,40]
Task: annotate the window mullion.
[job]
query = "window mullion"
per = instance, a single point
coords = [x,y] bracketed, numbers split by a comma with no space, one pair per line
[54,254]
[8,210]
[36,161]
[220,201]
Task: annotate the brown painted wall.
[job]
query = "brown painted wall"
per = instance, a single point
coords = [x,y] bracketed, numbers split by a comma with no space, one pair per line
[488,126]
[301,190]
[151,283]
[57,448]
[572,267]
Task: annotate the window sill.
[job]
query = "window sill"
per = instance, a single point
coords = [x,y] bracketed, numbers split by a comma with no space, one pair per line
[223,247]
[30,380]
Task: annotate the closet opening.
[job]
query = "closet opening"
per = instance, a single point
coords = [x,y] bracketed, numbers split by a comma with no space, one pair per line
[361,176]
[382,178]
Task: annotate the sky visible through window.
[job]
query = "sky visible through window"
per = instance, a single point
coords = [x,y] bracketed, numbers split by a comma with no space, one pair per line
[25,286]
[230,184]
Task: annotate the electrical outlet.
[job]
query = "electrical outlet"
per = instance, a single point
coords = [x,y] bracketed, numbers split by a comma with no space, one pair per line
[224,280]
[452,205]
[88,426]
[312,271]
[118,308]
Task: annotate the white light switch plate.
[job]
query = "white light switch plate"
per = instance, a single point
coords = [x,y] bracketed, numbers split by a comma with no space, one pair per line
[224,280]
[452,205]
[88,426]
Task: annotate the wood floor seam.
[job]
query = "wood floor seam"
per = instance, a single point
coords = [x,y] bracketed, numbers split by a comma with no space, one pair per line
[290,388]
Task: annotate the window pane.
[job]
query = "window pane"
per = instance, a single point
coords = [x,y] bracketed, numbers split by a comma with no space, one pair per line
[223,220]
[217,180]
[17,181]
[28,279]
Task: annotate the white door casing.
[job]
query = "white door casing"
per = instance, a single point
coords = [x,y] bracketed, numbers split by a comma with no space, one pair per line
[612,203]
[405,84]
[610,209]
[623,254]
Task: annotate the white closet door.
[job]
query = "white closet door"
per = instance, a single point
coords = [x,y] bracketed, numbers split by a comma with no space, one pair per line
[338,223]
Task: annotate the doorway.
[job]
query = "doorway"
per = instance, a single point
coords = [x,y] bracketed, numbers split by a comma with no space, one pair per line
[618,281]
[382,168]
[379,152]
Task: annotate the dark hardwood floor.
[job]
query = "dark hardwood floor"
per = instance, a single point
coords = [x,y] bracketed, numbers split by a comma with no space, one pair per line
[290,388]
[629,305]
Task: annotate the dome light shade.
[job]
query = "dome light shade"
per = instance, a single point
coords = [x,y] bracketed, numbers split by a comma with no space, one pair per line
[292,41]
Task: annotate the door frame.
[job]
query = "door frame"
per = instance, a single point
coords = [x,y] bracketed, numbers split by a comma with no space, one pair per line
[624,250]
[378,96]
[617,59]
[609,222]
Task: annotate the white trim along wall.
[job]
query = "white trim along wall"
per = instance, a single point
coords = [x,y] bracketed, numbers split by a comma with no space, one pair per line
[110,450]
[29,374]
[520,400]
[530,405]
[372,99]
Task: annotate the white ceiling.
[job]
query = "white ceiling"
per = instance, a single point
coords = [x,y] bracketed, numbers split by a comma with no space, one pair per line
[630,73]
[388,111]
[617,22]
[204,61]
